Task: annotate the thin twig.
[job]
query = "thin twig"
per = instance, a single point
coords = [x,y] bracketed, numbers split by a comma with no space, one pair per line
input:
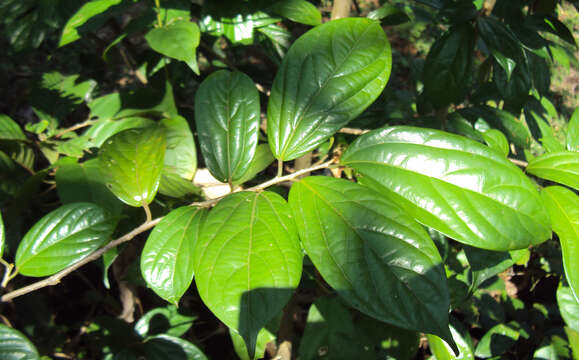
[147,225]
[520,163]
[353,131]
[76,127]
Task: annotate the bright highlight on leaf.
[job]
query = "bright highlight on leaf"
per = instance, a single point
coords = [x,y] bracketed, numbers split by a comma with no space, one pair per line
[328,77]
[453,184]
[248,261]
[561,167]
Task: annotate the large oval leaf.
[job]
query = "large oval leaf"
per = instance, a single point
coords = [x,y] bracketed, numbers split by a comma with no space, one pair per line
[248,261]
[377,258]
[227,118]
[328,77]
[563,206]
[15,346]
[63,237]
[453,184]
[561,167]
[178,40]
[166,263]
[132,161]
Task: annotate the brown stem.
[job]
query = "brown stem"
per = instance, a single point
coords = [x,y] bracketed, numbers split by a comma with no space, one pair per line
[75,127]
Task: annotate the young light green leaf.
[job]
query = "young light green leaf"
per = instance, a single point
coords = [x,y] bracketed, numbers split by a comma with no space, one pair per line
[442,351]
[166,263]
[227,118]
[84,183]
[358,239]
[262,159]
[547,351]
[181,154]
[573,337]
[561,167]
[568,306]
[573,132]
[84,14]
[9,129]
[178,40]
[563,207]
[453,184]
[131,162]
[163,320]
[496,341]
[300,11]
[15,346]
[63,237]
[496,140]
[248,261]
[328,77]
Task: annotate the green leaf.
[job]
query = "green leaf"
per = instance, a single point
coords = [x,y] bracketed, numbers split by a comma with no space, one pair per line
[442,351]
[63,237]
[485,264]
[239,28]
[248,261]
[300,11]
[573,337]
[506,63]
[496,341]
[568,306]
[164,320]
[109,258]
[496,140]
[9,129]
[500,39]
[227,117]
[175,186]
[178,40]
[358,239]
[561,167]
[104,129]
[563,207]
[328,77]
[166,262]
[131,162]
[573,132]
[85,183]
[448,66]
[82,16]
[181,155]
[2,236]
[161,347]
[546,351]
[453,184]
[389,15]
[264,337]
[15,346]
[262,159]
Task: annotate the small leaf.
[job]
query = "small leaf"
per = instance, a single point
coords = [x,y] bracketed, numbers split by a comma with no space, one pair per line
[82,16]
[9,129]
[573,132]
[109,258]
[453,184]
[300,11]
[506,63]
[248,261]
[389,15]
[164,320]
[262,159]
[496,341]
[265,336]
[563,207]
[561,167]
[15,346]
[357,240]
[63,237]
[166,263]
[181,155]
[442,351]
[568,307]
[496,140]
[227,118]
[178,40]
[327,78]
[131,162]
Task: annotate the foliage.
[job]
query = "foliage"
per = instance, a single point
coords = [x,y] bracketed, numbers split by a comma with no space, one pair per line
[448,205]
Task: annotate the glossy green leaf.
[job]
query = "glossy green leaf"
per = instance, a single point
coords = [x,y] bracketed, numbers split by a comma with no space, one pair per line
[161,347]
[496,140]
[262,159]
[15,346]
[496,341]
[178,40]
[561,167]
[82,16]
[264,337]
[568,307]
[546,351]
[85,183]
[300,11]
[328,77]
[63,237]
[573,337]
[442,351]
[163,320]
[506,63]
[238,29]
[166,261]
[573,132]
[2,236]
[500,39]
[132,161]
[175,186]
[448,66]
[104,129]
[563,207]
[389,15]
[9,129]
[358,239]
[248,261]
[181,155]
[453,184]
[227,117]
